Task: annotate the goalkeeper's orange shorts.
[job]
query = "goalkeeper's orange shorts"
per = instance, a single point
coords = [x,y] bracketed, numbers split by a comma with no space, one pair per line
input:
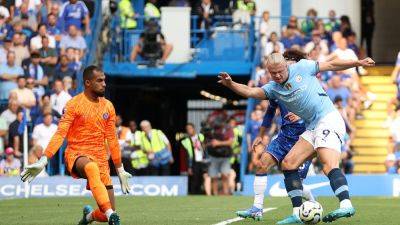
[70,159]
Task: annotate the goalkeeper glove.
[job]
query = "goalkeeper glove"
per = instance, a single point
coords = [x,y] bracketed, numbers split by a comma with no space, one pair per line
[31,171]
[123,179]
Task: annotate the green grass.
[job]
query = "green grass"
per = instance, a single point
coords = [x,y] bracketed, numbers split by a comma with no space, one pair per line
[185,210]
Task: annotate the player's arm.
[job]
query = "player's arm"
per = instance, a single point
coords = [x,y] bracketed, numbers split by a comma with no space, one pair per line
[338,64]
[266,125]
[113,146]
[31,171]
[241,89]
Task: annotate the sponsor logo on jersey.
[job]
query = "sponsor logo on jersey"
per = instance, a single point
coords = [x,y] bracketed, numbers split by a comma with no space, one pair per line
[105,116]
[288,86]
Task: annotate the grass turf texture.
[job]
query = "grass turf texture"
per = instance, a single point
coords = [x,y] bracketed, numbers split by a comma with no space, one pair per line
[186,210]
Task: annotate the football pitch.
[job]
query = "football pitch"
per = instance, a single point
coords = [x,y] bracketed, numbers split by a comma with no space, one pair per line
[186,210]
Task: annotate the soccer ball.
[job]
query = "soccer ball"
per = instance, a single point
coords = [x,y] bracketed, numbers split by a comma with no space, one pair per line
[311,212]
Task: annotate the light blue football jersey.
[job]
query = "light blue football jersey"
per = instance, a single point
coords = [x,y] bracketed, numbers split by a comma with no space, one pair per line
[302,93]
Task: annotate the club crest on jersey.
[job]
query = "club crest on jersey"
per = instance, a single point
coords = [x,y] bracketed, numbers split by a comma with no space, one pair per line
[288,86]
[298,78]
[105,116]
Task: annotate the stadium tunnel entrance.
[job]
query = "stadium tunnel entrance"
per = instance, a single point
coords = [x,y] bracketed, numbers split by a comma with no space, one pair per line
[164,102]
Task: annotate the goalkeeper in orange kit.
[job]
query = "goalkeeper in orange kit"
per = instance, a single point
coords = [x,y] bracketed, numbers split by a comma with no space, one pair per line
[88,123]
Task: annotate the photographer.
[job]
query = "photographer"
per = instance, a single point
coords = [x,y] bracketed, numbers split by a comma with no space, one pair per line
[219,142]
[151,45]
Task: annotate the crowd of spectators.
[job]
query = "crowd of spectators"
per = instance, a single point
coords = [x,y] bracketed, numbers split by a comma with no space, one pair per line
[41,50]
[321,40]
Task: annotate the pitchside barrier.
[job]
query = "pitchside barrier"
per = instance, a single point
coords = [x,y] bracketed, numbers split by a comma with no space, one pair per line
[63,186]
[359,185]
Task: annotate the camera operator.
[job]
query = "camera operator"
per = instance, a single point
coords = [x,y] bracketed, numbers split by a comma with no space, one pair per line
[152,46]
[219,139]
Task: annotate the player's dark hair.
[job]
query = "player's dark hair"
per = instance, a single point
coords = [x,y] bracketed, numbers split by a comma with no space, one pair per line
[89,72]
[294,55]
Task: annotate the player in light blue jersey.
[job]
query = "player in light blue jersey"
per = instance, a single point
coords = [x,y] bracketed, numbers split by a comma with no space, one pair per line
[298,89]
[267,157]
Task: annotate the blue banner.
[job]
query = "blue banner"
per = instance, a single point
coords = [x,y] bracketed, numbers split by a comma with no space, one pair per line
[359,185]
[63,186]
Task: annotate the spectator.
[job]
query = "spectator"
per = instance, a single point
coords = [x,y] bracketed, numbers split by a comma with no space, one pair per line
[219,148]
[291,39]
[4,49]
[293,23]
[152,45]
[69,86]
[74,59]
[59,99]
[25,96]
[246,5]
[8,75]
[75,13]
[333,24]
[36,42]
[158,148]
[193,143]
[151,10]
[308,25]
[391,164]
[206,10]
[32,5]
[30,84]
[10,166]
[10,114]
[344,53]
[138,158]
[317,41]
[63,69]
[234,177]
[3,133]
[345,25]
[338,90]
[4,27]
[43,132]
[73,40]
[179,3]
[33,69]
[133,136]
[336,37]
[4,13]
[15,139]
[27,17]
[274,45]
[127,15]
[21,51]
[265,28]
[122,132]
[48,58]
[54,27]
[351,43]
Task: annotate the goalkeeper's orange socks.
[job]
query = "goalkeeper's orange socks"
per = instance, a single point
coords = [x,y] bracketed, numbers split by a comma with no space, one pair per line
[98,189]
[99,216]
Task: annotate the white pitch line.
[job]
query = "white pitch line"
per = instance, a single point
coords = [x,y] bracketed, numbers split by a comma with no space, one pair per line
[225,222]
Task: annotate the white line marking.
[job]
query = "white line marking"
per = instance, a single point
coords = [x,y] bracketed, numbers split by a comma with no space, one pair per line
[225,222]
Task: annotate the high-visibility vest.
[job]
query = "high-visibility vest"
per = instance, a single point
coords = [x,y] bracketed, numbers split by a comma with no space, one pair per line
[236,145]
[126,13]
[139,159]
[250,6]
[150,10]
[156,143]
[188,145]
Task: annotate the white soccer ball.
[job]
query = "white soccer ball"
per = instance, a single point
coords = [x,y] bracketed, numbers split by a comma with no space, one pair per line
[311,212]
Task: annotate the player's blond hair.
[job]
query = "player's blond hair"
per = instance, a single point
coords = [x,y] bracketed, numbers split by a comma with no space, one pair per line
[275,58]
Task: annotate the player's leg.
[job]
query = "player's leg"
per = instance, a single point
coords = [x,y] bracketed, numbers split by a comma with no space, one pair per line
[330,161]
[328,141]
[263,165]
[303,170]
[90,170]
[98,215]
[300,152]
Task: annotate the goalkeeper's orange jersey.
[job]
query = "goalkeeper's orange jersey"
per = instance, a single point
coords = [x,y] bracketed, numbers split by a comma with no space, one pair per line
[87,126]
